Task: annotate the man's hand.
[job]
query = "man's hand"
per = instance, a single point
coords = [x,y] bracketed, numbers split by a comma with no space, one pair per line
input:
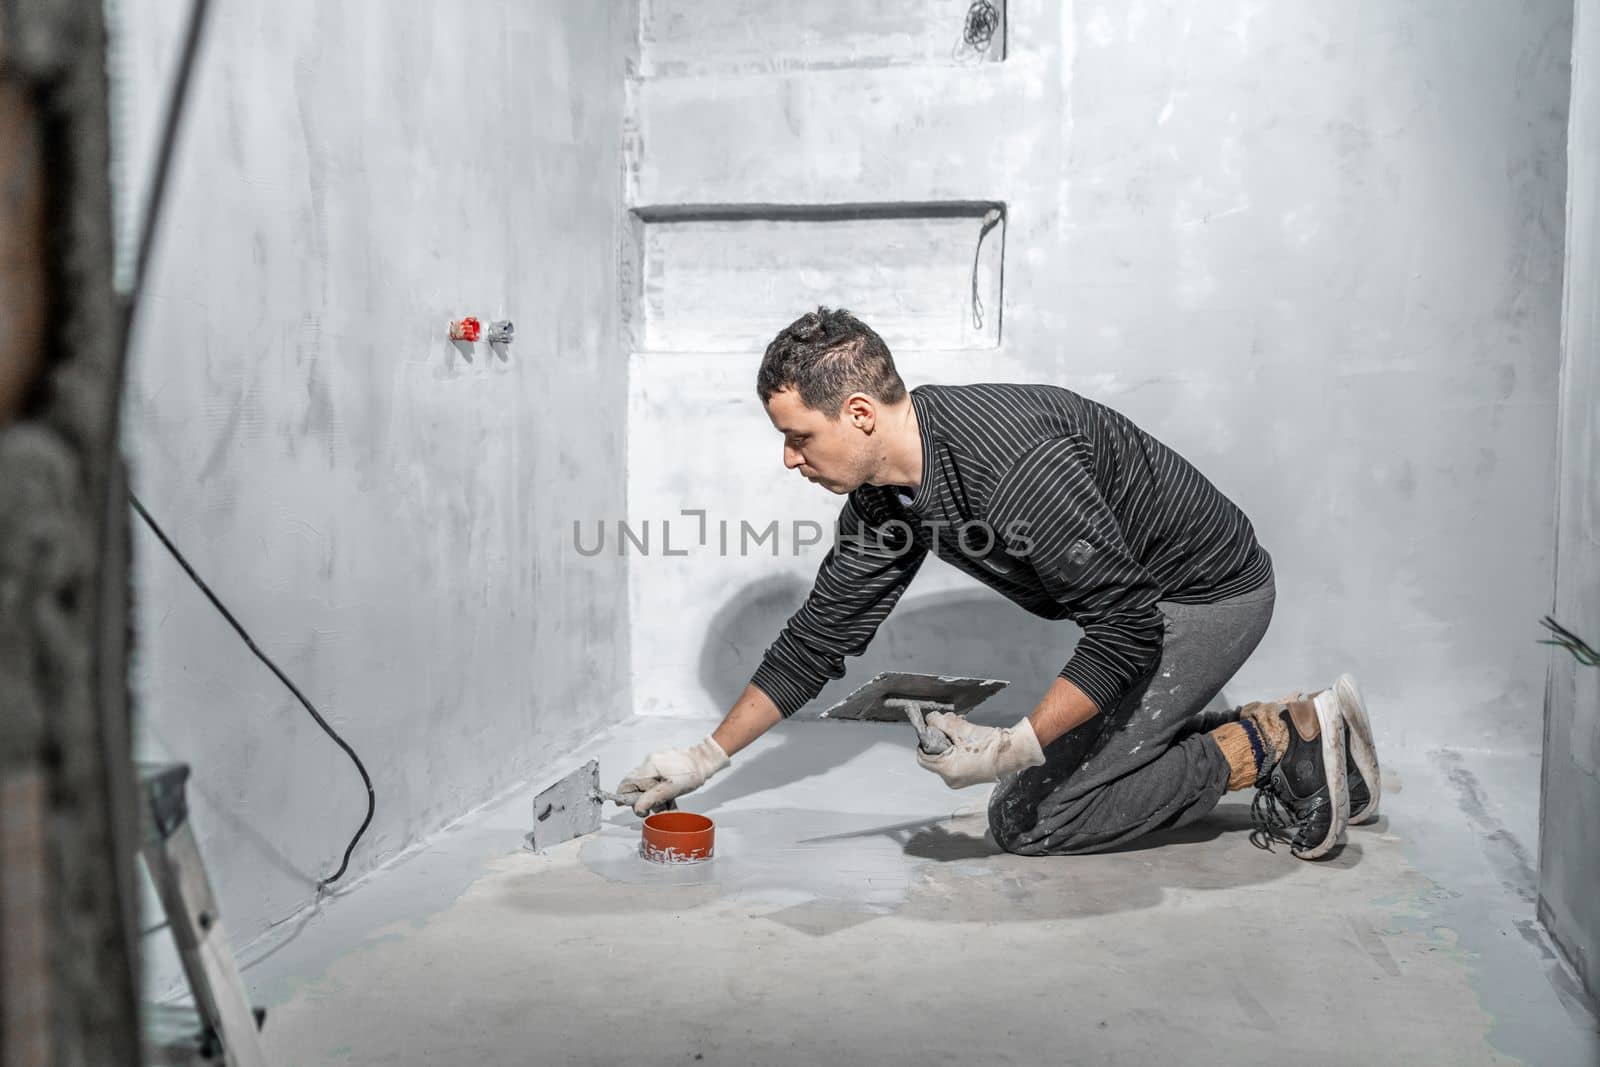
[980,753]
[671,773]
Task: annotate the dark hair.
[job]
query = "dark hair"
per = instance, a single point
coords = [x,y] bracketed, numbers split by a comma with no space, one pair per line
[827,355]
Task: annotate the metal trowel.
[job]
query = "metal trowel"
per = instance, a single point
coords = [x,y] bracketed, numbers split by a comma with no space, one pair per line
[895,697]
[571,808]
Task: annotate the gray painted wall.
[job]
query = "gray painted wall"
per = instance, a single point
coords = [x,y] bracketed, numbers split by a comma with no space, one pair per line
[1316,247]
[1569,840]
[384,510]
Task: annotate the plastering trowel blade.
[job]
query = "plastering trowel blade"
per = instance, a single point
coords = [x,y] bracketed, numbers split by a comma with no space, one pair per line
[895,696]
[571,808]
[867,704]
[568,809]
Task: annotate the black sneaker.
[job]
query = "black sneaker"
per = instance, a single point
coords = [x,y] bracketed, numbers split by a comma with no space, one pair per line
[1361,756]
[1361,801]
[1366,780]
[1299,801]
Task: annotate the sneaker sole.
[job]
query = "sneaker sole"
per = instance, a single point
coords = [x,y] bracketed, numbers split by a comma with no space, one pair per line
[1362,749]
[1330,723]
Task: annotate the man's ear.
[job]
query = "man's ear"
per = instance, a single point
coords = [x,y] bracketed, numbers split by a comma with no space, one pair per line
[861,412]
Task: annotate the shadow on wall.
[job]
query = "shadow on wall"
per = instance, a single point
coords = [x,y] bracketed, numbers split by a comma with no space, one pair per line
[976,633]
[973,632]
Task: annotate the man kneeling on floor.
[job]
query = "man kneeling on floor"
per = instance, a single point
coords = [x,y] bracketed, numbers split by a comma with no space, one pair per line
[1067,508]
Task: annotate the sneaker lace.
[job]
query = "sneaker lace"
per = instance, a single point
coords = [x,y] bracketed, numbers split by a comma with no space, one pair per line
[1272,821]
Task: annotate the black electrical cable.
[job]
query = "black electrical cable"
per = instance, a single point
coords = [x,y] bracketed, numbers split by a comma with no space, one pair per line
[991,219]
[158,189]
[1565,638]
[165,150]
[273,667]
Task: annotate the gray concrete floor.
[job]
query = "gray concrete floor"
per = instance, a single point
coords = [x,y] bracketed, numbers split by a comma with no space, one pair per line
[856,914]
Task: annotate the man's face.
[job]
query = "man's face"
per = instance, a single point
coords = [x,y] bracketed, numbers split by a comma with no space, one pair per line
[834,453]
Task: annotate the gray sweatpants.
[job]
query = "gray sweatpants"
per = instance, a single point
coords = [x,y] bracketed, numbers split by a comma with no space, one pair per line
[1145,766]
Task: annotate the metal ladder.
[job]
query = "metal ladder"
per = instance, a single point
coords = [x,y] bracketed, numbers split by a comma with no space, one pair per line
[229,1027]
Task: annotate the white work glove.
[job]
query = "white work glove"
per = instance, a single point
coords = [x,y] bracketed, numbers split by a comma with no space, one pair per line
[671,773]
[980,753]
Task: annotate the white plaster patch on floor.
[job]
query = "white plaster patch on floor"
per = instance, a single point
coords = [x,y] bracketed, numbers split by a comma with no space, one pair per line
[777,855]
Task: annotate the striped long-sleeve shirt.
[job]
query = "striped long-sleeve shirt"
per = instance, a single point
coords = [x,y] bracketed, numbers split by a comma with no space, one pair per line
[1053,500]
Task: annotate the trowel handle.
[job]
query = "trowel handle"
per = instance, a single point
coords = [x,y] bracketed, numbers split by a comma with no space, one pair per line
[929,739]
[621,801]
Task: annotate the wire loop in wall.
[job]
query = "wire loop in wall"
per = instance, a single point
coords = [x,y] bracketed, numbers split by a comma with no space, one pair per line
[983,19]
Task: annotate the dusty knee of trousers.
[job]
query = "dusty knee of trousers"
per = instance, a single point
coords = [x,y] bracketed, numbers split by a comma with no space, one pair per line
[1009,841]
[1011,816]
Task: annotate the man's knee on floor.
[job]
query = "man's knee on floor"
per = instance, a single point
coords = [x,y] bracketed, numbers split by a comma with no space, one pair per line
[1014,816]
[1007,836]
[1061,842]
[1013,819]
